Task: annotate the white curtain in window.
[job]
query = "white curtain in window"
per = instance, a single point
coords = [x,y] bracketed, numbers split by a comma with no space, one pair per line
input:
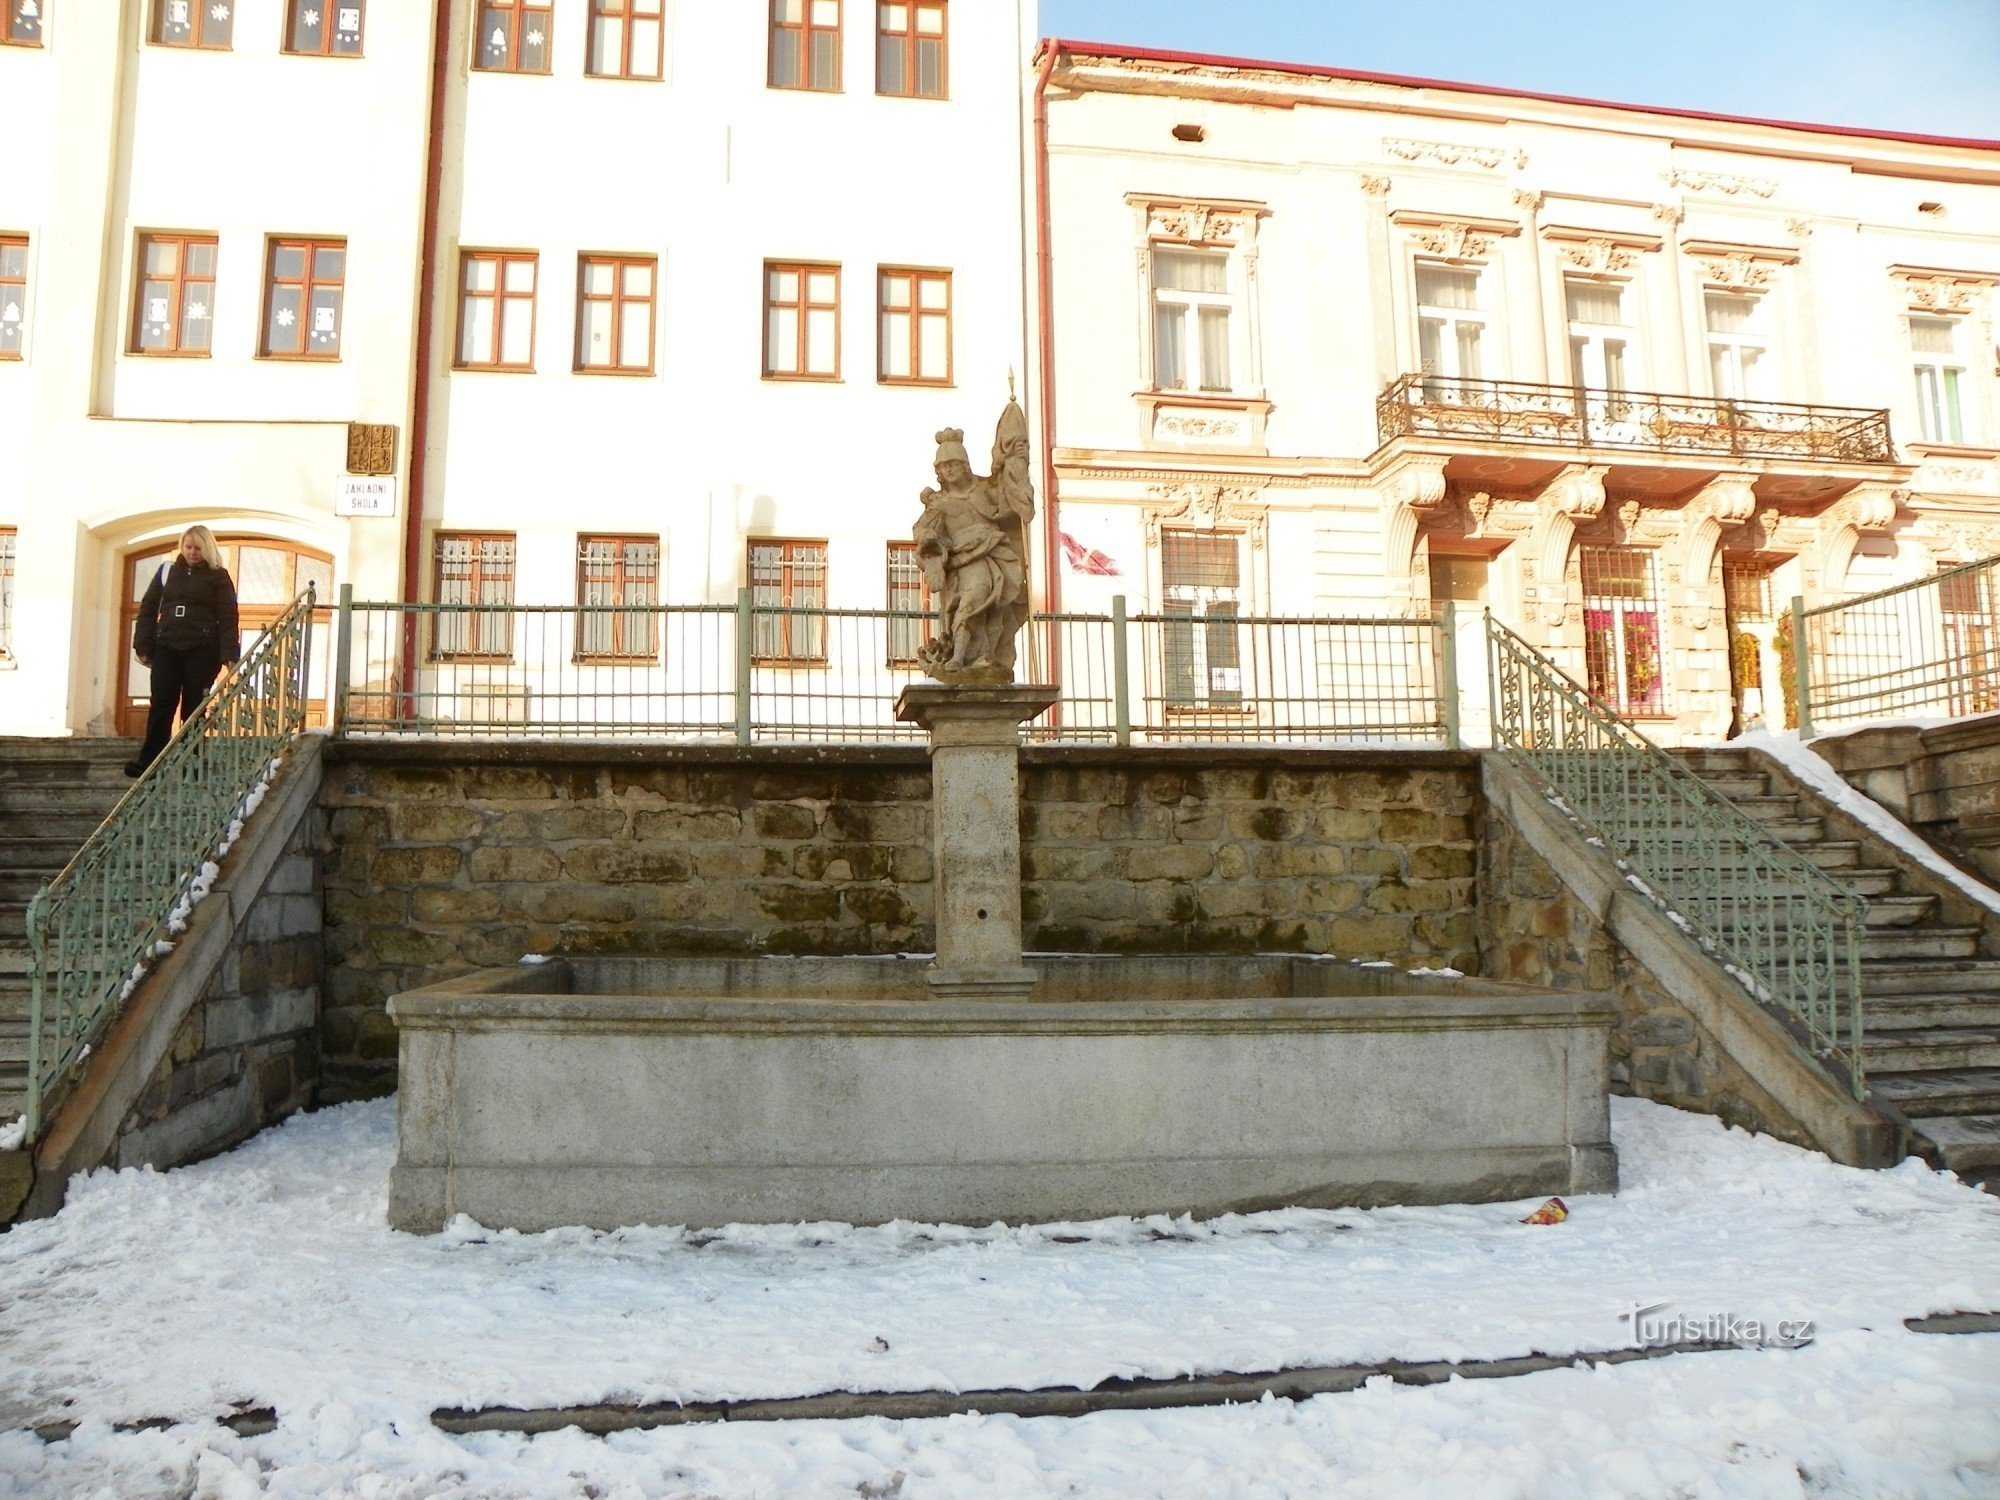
[1595,302]
[1447,286]
[1190,271]
[1933,336]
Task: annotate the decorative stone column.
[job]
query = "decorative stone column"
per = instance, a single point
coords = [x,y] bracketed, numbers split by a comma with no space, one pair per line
[975,735]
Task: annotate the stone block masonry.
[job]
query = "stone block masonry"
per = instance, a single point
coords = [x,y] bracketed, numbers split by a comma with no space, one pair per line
[447,858]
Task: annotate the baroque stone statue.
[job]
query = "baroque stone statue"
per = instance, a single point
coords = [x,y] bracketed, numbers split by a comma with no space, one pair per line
[972,547]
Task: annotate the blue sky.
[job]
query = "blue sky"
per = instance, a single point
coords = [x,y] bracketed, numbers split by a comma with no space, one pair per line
[1930,66]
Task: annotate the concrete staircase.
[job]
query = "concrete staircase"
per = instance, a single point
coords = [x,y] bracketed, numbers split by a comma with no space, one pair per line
[53,794]
[1931,995]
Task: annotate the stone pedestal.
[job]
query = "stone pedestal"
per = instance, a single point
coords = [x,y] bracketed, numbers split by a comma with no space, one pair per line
[975,735]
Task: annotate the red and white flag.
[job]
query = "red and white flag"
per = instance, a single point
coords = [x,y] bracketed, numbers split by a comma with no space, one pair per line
[1083,559]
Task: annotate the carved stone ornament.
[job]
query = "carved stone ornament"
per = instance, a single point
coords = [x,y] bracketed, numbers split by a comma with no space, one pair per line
[1374,187]
[1628,516]
[371,448]
[1206,507]
[1578,491]
[1720,182]
[1669,213]
[1734,271]
[1940,291]
[1600,256]
[972,547]
[1200,427]
[1453,154]
[1730,498]
[1454,242]
[1527,200]
[1869,507]
[1416,480]
[1198,223]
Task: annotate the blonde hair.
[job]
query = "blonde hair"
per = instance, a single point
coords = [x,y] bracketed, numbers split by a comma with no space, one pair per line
[204,539]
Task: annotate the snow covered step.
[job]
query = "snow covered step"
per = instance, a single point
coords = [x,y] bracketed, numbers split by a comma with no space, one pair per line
[1962,1142]
[1935,1047]
[1919,942]
[1971,1092]
[1907,1013]
[1963,976]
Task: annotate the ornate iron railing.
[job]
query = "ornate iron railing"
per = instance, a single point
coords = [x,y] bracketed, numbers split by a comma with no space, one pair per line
[1567,416]
[1927,649]
[94,929]
[753,674]
[1782,928]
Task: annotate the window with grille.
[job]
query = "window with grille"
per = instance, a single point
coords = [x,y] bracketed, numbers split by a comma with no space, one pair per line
[910,622]
[1940,372]
[1191,311]
[615,311]
[617,596]
[788,598]
[627,39]
[910,48]
[323,28]
[13,295]
[496,310]
[513,36]
[207,24]
[9,538]
[1971,639]
[174,311]
[473,569]
[801,321]
[915,326]
[805,45]
[304,287]
[1449,329]
[1746,592]
[1201,597]
[24,23]
[1621,628]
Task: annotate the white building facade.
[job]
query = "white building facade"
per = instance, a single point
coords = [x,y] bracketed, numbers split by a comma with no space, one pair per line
[1341,344]
[536,303]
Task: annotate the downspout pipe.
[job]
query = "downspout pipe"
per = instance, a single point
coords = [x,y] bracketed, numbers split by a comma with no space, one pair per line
[420,405]
[1046,349]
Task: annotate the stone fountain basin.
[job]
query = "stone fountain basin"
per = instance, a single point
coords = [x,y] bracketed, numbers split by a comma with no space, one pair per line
[610,1091]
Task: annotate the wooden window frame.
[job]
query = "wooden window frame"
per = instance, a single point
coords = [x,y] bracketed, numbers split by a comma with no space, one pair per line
[806,31]
[500,297]
[623,14]
[618,579]
[1598,575]
[12,21]
[910,34]
[473,579]
[802,310]
[181,282]
[915,276]
[199,12]
[1203,629]
[926,605]
[10,568]
[308,284]
[517,18]
[785,622]
[327,8]
[18,285]
[618,302]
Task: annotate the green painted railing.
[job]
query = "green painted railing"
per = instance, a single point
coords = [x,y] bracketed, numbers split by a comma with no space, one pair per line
[1928,649]
[95,928]
[1783,929]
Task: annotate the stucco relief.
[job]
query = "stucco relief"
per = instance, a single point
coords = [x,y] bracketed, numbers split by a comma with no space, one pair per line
[1206,507]
[1933,291]
[1600,256]
[1726,183]
[1577,492]
[1454,242]
[1200,427]
[1452,153]
[1734,271]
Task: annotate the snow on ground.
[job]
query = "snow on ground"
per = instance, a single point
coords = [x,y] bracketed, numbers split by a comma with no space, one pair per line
[267,1277]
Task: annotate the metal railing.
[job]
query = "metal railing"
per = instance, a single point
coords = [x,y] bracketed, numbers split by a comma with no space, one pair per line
[1569,416]
[1783,929]
[750,673]
[1927,649]
[94,929]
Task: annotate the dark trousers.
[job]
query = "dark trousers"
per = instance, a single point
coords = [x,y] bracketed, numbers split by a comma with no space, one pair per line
[180,678]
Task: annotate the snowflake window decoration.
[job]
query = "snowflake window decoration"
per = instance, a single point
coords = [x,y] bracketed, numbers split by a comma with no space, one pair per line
[197,311]
[219,11]
[311,18]
[286,317]
[535,38]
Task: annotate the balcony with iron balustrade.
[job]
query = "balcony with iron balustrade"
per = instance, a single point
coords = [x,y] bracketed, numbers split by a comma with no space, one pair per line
[1518,433]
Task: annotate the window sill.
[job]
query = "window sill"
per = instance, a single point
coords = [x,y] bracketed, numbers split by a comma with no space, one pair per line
[799,663]
[615,372]
[492,369]
[779,378]
[1922,449]
[168,354]
[298,359]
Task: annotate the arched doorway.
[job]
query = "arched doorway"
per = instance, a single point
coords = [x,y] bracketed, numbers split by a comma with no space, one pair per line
[269,575]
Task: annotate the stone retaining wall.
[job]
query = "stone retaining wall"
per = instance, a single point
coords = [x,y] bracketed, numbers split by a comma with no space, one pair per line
[448,858]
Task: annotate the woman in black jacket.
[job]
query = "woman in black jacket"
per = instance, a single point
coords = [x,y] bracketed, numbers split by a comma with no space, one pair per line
[186,632]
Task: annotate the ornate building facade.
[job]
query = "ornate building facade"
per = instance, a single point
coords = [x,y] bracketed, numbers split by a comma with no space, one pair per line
[1630,379]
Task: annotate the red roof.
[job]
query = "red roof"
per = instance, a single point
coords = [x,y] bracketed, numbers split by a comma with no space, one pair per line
[1307,70]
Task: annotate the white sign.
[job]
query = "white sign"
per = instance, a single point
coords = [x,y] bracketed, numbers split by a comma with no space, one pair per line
[361,495]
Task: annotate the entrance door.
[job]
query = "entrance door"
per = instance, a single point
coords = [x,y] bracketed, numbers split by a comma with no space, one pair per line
[1463,581]
[269,575]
